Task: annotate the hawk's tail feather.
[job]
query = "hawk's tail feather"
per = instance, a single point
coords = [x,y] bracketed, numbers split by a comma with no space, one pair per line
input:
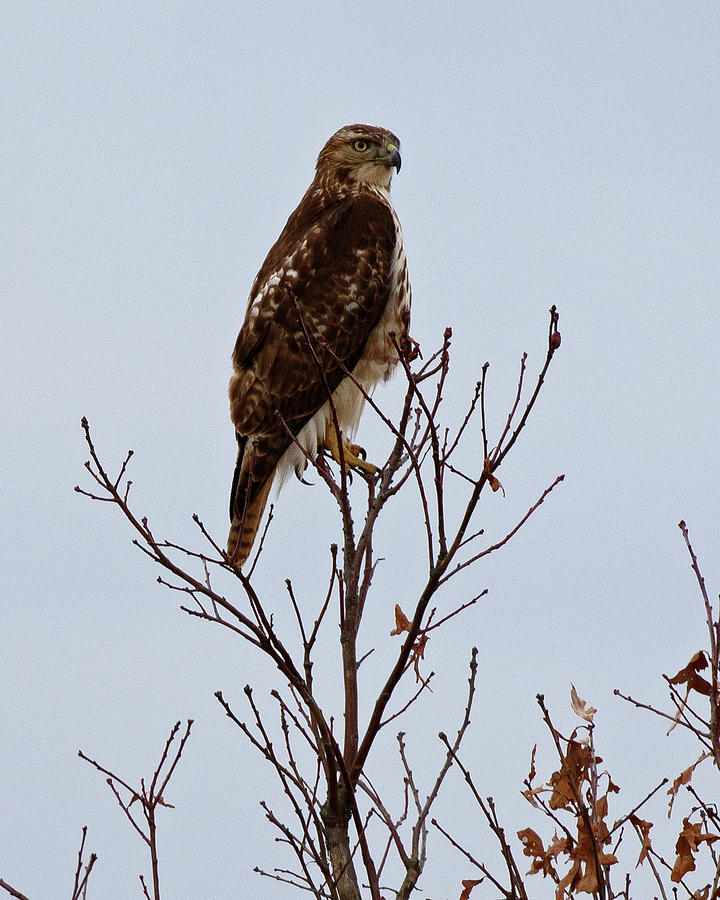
[245,524]
[254,474]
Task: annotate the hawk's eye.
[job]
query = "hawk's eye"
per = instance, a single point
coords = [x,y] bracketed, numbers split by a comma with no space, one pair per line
[360,146]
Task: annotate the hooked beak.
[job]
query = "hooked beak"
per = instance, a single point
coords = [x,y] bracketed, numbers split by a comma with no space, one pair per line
[393,158]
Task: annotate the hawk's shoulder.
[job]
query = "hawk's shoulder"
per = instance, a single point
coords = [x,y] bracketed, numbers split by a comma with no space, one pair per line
[333,248]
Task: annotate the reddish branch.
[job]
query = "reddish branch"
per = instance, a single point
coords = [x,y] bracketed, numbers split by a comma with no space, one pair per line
[713,627]
[12,891]
[149,799]
[82,875]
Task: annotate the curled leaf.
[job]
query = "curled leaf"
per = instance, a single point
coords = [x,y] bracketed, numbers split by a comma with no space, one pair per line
[531,841]
[468,884]
[578,761]
[402,623]
[683,778]
[542,860]
[530,793]
[643,830]
[492,480]
[688,842]
[689,675]
[580,707]
[418,652]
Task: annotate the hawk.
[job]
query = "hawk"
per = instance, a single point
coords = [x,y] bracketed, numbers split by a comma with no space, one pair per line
[332,297]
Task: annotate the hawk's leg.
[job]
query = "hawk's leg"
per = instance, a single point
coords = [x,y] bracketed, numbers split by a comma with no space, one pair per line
[353,454]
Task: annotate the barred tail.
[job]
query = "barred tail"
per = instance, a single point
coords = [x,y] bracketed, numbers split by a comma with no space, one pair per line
[253,478]
[244,527]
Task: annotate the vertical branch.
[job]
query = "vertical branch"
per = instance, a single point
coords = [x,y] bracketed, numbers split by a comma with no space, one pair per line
[432,429]
[149,800]
[553,344]
[713,627]
[80,884]
[579,804]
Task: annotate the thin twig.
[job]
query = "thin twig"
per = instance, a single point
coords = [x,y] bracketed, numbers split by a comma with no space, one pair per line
[12,891]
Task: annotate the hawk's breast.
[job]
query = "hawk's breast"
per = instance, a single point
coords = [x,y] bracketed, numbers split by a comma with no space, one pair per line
[378,358]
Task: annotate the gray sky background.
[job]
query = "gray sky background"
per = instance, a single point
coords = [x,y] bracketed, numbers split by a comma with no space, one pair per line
[559,153]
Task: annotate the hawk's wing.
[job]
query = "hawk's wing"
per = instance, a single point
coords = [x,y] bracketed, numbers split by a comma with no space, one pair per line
[319,294]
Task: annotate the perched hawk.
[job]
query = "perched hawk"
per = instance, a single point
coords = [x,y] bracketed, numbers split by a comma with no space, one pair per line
[330,297]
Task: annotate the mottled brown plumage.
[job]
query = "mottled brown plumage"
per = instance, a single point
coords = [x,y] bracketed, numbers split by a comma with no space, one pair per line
[333,290]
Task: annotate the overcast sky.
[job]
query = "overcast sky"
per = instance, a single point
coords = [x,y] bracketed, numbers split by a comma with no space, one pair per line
[553,153]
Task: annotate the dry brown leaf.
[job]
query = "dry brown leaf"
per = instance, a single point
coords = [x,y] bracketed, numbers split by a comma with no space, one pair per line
[687,844]
[532,772]
[689,675]
[418,652]
[541,860]
[602,806]
[577,764]
[588,883]
[684,862]
[643,829]
[495,484]
[557,846]
[468,884]
[402,623]
[492,480]
[683,778]
[562,795]
[532,842]
[580,707]
[584,852]
[530,794]
[698,661]
[612,787]
[568,882]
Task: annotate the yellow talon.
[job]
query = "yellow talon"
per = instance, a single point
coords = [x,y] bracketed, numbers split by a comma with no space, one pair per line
[353,454]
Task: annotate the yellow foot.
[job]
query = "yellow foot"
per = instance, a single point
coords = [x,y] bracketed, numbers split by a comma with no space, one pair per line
[353,454]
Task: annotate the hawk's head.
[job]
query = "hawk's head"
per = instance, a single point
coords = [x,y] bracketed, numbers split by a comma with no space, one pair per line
[362,154]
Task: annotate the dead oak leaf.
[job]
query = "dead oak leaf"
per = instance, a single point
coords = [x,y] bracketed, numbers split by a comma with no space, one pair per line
[542,861]
[612,787]
[557,846]
[577,763]
[588,852]
[683,778]
[643,831]
[468,884]
[688,842]
[418,653]
[580,707]
[532,842]
[568,882]
[530,793]
[492,480]
[601,807]
[532,772]
[402,623]
[689,675]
